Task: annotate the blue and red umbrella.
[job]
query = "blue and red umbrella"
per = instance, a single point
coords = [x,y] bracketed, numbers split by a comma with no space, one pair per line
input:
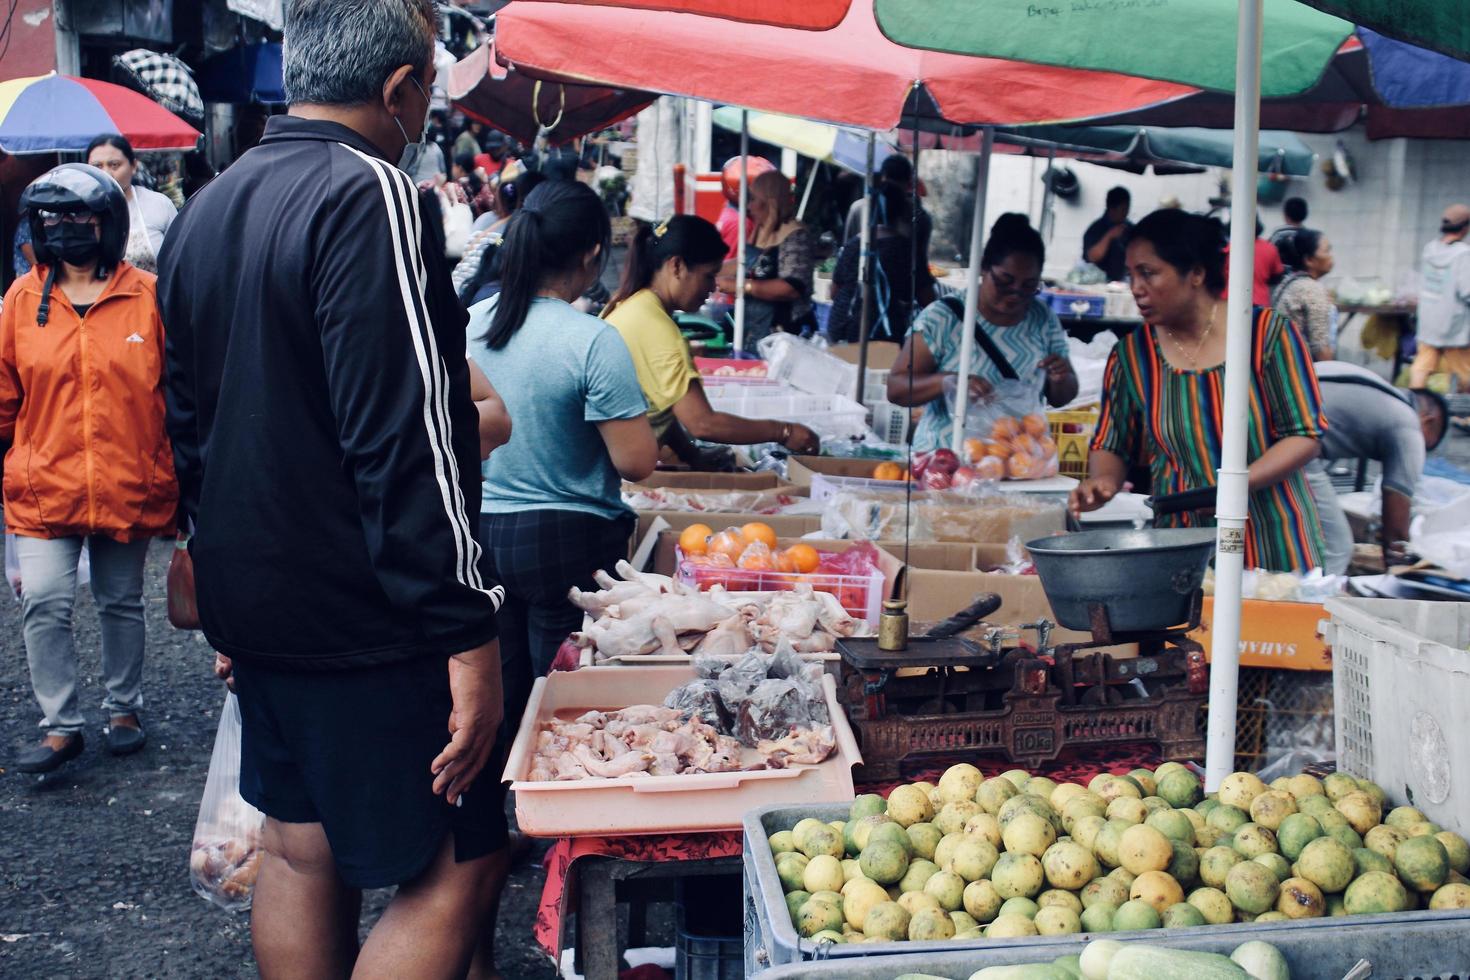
[59,113]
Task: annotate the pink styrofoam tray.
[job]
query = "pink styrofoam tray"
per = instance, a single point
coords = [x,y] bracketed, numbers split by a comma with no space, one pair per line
[656,804]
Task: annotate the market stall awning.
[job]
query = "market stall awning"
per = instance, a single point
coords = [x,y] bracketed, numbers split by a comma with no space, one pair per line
[1400,89]
[1280,152]
[51,113]
[521,106]
[811,15]
[1187,41]
[820,141]
[165,79]
[1443,25]
[850,75]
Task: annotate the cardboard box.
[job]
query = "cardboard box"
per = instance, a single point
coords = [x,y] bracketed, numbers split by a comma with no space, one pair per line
[881,353]
[1280,635]
[712,481]
[944,578]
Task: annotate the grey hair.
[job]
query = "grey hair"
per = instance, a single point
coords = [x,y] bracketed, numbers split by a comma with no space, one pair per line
[340,52]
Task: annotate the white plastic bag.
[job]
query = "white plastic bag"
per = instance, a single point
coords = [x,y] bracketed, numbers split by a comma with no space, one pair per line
[226,853]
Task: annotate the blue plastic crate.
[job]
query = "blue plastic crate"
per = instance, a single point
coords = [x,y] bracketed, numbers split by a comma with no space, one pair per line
[1075,304]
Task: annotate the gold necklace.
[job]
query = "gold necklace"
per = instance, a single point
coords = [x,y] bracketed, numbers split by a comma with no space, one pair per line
[1204,338]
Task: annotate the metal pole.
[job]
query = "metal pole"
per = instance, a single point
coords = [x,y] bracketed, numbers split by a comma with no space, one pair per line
[972,289]
[1231,507]
[865,271]
[740,247]
[1048,199]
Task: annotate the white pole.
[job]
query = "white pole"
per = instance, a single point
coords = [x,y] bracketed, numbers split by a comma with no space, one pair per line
[1233,498]
[740,246]
[972,288]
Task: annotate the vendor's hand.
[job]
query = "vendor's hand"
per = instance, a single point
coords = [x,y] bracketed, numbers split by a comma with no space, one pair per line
[803,440]
[1091,494]
[479,706]
[1057,368]
[224,669]
[980,389]
[725,284]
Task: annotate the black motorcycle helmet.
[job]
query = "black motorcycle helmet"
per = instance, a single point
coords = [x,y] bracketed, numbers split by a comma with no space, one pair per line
[75,188]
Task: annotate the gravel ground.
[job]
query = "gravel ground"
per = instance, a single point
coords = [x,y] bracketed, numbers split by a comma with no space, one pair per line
[94,879]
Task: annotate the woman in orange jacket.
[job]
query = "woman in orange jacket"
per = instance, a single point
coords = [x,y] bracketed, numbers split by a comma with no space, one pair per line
[82,409]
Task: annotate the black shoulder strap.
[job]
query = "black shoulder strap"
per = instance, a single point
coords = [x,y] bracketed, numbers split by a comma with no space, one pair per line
[957,307]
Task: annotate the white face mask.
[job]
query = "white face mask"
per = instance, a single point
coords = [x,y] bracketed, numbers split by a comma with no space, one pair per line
[413,152]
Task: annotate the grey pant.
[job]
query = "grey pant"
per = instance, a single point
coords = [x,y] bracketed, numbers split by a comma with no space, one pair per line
[1337,533]
[48,574]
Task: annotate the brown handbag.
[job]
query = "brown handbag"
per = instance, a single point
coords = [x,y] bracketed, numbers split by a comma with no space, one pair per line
[183,606]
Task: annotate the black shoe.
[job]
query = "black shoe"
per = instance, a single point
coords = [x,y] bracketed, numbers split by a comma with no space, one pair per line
[125,740]
[43,758]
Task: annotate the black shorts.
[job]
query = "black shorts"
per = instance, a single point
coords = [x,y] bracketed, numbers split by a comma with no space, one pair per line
[351,750]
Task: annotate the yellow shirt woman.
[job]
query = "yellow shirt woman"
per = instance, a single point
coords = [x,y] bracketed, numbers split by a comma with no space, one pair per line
[660,352]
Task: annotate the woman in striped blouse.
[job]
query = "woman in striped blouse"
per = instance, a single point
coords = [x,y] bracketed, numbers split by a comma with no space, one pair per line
[1163,395]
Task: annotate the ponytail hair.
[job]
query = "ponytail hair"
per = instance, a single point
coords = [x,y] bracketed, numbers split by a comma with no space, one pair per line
[684,236]
[552,232]
[1012,234]
[1297,247]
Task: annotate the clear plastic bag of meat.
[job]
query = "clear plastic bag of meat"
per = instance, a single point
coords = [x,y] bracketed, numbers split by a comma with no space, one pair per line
[787,663]
[226,854]
[701,699]
[710,668]
[774,708]
[741,678]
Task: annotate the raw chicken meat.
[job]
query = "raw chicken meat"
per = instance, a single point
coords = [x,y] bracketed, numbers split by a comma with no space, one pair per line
[641,614]
[643,739]
[807,746]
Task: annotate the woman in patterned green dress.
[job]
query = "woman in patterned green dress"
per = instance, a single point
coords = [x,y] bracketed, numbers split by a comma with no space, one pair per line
[1163,396]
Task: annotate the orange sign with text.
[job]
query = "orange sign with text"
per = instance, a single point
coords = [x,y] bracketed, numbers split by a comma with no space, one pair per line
[1282,635]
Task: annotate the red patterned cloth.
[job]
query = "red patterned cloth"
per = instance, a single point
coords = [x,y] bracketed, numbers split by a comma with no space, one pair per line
[1077,766]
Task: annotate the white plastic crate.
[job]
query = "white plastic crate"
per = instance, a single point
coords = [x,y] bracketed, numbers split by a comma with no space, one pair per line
[830,416]
[891,422]
[1401,691]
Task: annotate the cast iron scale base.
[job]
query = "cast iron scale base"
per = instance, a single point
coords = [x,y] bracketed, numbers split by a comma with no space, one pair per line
[950,699]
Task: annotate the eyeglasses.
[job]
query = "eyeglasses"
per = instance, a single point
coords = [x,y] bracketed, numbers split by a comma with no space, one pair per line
[1008,284]
[53,218]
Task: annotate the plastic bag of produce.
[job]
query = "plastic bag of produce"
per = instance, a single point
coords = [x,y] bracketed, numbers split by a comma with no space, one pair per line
[226,854]
[1010,425]
[710,668]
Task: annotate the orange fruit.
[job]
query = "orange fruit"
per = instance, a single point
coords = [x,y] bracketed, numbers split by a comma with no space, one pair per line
[991,468]
[729,543]
[888,471]
[804,557]
[756,531]
[1035,424]
[907,477]
[1023,467]
[757,558]
[784,562]
[1005,428]
[975,449]
[694,539]
[999,450]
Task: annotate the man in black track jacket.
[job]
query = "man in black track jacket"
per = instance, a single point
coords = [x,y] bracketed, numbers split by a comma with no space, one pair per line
[327,447]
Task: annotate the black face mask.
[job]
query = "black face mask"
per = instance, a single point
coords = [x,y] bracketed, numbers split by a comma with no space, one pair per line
[76,244]
[1449,228]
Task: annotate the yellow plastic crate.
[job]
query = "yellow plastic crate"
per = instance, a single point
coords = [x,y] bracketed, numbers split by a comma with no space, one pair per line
[1072,446]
